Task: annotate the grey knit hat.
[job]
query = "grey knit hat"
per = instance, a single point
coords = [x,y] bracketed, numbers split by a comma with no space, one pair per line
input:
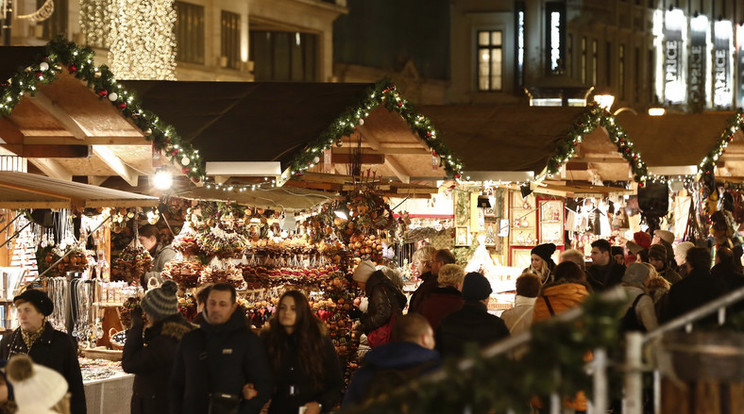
[161,302]
[636,273]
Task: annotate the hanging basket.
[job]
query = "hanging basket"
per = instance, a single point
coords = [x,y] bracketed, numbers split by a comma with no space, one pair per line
[705,356]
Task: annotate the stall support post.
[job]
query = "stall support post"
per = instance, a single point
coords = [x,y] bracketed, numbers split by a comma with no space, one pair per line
[633,399]
[600,380]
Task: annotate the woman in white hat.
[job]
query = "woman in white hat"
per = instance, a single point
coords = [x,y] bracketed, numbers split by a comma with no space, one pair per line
[36,388]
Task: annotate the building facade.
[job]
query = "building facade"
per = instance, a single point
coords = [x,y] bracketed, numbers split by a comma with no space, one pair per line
[261,40]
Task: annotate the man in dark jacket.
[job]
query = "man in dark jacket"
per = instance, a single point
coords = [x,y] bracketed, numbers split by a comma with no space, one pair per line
[657,257]
[150,357]
[604,272]
[410,355]
[440,258]
[696,289]
[221,362]
[45,345]
[472,324]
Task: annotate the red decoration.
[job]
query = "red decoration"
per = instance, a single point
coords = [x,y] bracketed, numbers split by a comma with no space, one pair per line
[102,93]
[400,104]
[185,170]
[121,105]
[458,175]
[626,150]
[428,133]
[39,74]
[72,68]
[174,152]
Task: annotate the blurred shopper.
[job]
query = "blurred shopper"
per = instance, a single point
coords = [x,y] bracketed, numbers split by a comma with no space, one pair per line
[519,318]
[447,297]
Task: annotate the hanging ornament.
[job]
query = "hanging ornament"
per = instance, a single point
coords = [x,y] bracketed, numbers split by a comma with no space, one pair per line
[44,66]
[316,160]
[185,161]
[102,93]
[113,96]
[72,68]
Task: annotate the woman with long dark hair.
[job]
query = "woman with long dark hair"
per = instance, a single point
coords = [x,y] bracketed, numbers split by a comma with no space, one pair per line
[305,363]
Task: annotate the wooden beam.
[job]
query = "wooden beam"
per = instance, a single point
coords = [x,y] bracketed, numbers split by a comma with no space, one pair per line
[314,185]
[51,168]
[387,150]
[63,117]
[9,133]
[372,141]
[612,160]
[116,164]
[97,140]
[366,158]
[55,151]
[97,180]
[398,170]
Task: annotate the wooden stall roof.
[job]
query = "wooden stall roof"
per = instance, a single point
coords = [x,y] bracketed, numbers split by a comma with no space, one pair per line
[66,130]
[24,190]
[285,198]
[254,122]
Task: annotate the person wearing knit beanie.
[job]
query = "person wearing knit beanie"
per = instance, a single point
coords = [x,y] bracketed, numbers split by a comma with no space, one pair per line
[641,240]
[541,262]
[476,287]
[657,257]
[36,388]
[636,274]
[363,271]
[160,303]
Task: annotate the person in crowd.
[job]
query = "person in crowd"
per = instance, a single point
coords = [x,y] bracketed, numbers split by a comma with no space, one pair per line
[304,361]
[726,272]
[658,288]
[447,297]
[201,303]
[618,254]
[394,275]
[638,247]
[408,357]
[151,347]
[568,291]
[640,314]
[696,289]
[657,257]
[666,239]
[680,255]
[385,303]
[161,253]
[541,262]
[46,346]
[221,364]
[36,388]
[573,255]
[604,272]
[438,259]
[519,318]
[472,324]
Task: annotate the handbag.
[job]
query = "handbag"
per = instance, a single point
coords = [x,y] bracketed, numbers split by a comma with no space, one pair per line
[381,335]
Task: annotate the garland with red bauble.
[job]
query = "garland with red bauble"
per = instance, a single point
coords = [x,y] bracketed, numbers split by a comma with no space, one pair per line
[62,54]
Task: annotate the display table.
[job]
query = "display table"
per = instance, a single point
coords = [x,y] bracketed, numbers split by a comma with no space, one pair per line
[110,395]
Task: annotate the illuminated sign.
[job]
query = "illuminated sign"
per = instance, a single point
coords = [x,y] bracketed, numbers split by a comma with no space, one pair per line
[722,64]
[520,44]
[696,65]
[740,65]
[674,28]
[556,32]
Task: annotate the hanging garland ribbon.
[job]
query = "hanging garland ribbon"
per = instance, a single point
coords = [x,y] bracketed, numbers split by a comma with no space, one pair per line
[62,54]
[384,93]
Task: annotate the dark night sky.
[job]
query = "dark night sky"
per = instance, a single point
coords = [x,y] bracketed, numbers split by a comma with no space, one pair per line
[386,34]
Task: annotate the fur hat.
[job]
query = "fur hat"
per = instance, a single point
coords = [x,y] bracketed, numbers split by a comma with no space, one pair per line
[544,251]
[641,240]
[665,235]
[39,299]
[658,252]
[161,302]
[363,271]
[476,287]
[36,388]
[636,273]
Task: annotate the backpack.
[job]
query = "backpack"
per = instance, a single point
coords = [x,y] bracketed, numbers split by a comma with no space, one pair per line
[629,322]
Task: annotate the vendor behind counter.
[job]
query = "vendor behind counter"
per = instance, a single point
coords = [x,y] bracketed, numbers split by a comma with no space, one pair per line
[161,253]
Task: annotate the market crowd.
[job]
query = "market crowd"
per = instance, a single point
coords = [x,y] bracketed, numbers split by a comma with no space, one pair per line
[221,364]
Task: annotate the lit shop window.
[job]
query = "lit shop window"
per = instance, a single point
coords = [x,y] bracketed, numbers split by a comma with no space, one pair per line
[490,59]
[283,56]
[189,33]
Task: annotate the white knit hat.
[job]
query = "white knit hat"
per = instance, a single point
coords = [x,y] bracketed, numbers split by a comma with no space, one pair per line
[363,271]
[35,387]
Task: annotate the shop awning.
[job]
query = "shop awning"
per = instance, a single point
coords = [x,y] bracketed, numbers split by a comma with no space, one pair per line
[284,198]
[24,190]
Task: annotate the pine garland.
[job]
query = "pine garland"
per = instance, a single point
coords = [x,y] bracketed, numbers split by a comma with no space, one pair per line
[64,55]
[708,164]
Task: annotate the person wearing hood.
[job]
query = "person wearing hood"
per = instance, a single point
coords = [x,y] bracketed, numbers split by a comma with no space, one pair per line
[407,358]
[45,345]
[385,303]
[436,260]
[446,298]
[222,365]
[640,312]
[604,272]
[519,318]
[657,257]
[541,262]
[36,388]
[304,361]
[472,324]
[150,348]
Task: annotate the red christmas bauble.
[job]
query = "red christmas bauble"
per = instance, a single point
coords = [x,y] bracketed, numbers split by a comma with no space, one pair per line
[458,175]
[400,104]
[102,93]
[72,68]
[185,170]
[174,152]
[121,105]
[39,74]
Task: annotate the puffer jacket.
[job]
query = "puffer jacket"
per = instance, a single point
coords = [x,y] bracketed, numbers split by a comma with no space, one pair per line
[384,301]
[150,358]
[563,296]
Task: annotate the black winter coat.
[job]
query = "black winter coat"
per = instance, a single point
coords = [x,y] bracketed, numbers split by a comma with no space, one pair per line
[219,358]
[695,290]
[422,292]
[601,278]
[294,387]
[56,350]
[384,300]
[150,359]
[471,324]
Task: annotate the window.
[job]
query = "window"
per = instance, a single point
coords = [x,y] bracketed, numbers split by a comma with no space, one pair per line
[584,67]
[595,62]
[283,56]
[637,76]
[57,23]
[608,64]
[569,55]
[230,39]
[489,60]
[190,33]
[621,71]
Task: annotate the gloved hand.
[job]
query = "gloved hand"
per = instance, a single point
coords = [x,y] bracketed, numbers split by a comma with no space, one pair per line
[355,313]
[137,317]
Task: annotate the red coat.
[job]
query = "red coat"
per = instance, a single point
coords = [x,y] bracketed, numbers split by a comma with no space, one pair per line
[441,302]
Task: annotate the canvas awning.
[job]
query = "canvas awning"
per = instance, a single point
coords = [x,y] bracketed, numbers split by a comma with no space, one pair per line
[24,190]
